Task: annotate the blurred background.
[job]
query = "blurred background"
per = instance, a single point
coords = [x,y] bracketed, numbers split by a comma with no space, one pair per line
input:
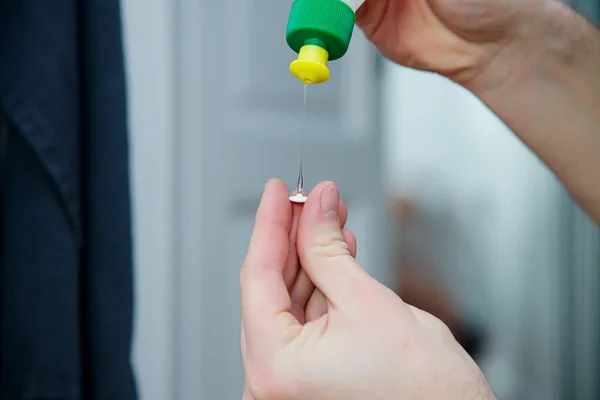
[449,208]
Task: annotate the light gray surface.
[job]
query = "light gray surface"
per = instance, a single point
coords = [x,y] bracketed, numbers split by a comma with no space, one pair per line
[240,121]
[175,175]
[148,36]
[536,256]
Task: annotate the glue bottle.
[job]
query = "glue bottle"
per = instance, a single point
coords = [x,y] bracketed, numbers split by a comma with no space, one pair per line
[319,31]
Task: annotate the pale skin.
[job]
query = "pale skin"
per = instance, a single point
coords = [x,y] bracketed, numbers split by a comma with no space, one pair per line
[535,63]
[350,339]
[315,325]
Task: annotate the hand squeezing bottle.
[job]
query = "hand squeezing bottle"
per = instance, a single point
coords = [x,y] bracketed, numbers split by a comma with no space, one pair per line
[319,31]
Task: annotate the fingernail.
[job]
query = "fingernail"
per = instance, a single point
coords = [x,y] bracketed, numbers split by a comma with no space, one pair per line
[330,200]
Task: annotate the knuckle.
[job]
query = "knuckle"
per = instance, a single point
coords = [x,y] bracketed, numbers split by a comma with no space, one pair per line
[433,324]
[443,330]
[440,328]
[329,244]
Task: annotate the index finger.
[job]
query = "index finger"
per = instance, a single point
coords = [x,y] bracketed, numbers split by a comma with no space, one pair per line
[266,302]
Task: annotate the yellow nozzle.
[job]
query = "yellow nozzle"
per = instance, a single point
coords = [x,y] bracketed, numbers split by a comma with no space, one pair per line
[311,65]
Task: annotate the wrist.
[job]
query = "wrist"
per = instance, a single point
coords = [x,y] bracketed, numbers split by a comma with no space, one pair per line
[548,44]
[544,86]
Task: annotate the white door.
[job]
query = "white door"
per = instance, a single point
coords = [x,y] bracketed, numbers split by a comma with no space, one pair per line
[241,122]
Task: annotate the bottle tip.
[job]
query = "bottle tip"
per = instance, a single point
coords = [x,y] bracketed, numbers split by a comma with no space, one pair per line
[311,65]
[310,72]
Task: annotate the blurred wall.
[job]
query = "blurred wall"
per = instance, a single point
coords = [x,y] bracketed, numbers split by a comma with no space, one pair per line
[500,247]
[442,144]
[149,56]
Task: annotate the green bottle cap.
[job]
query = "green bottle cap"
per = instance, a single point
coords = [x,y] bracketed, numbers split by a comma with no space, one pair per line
[325,23]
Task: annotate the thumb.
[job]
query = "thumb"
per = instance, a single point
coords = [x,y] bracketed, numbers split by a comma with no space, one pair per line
[323,252]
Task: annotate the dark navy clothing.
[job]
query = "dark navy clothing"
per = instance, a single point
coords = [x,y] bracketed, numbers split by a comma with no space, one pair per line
[65,244]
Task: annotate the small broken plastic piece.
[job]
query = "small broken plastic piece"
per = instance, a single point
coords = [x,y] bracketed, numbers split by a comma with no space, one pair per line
[298,198]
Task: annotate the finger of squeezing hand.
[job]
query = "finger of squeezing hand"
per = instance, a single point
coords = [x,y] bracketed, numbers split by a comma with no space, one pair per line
[265,299]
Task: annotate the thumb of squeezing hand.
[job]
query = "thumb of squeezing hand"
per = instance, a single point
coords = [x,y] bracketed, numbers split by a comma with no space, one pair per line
[323,252]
